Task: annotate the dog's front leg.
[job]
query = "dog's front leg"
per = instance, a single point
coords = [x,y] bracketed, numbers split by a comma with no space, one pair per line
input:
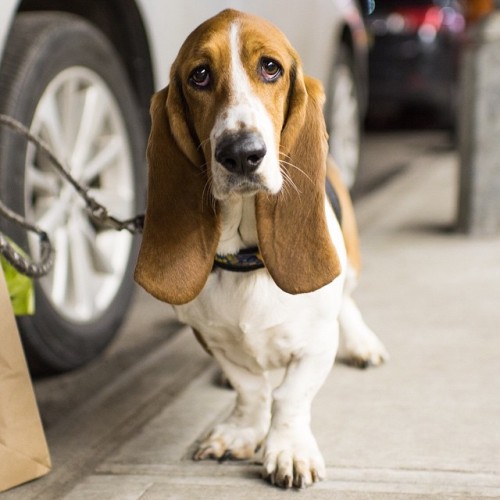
[291,454]
[241,434]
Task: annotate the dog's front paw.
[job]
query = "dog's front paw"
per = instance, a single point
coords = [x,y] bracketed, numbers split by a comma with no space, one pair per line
[292,459]
[229,441]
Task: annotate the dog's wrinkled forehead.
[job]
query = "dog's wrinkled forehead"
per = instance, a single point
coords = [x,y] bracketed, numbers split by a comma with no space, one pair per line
[209,48]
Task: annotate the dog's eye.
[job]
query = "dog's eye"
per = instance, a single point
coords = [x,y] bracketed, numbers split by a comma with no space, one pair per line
[270,69]
[200,77]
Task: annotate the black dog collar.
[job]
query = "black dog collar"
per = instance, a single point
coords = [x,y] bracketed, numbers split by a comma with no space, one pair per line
[248,259]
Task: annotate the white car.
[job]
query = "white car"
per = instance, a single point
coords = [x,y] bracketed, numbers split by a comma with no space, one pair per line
[80,75]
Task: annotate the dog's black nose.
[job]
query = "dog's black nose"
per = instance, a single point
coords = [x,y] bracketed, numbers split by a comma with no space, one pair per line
[241,152]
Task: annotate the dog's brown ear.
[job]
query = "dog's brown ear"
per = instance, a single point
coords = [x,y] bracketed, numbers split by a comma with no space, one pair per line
[181,228]
[292,228]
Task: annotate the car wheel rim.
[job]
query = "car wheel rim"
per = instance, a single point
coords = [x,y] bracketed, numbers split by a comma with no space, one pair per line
[344,120]
[80,120]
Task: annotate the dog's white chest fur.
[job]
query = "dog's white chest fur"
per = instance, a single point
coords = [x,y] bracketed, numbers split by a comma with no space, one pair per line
[253,323]
[245,316]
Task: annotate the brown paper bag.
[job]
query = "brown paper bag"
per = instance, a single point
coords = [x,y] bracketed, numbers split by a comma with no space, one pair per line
[23,450]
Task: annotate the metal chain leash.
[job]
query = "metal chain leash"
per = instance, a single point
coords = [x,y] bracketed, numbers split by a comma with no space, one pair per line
[16,259]
[97,212]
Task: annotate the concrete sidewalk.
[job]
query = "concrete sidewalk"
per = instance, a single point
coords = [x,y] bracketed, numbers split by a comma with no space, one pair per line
[425,425]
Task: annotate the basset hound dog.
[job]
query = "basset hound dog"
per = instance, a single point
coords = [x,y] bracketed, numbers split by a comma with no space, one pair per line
[239,236]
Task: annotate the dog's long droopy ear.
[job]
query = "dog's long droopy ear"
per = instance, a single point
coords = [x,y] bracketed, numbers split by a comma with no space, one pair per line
[292,228]
[181,229]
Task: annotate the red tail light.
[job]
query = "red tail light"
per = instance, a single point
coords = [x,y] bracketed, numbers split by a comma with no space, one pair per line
[416,17]
[425,20]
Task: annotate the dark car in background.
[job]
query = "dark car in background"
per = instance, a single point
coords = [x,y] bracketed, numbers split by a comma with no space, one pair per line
[414,57]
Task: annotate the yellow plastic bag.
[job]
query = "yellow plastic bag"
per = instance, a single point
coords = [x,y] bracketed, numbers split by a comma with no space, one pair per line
[20,288]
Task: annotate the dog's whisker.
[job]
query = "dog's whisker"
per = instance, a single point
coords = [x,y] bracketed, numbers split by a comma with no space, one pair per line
[288,179]
[202,143]
[207,193]
[213,201]
[281,153]
[290,164]
[202,169]
[204,193]
[286,190]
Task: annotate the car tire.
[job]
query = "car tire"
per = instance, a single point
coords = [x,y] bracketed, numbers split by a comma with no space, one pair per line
[344,116]
[45,50]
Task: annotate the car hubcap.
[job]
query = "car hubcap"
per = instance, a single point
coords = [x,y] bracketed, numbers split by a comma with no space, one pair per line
[81,122]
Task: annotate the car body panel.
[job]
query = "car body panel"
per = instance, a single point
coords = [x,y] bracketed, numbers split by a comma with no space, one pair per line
[167,28]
